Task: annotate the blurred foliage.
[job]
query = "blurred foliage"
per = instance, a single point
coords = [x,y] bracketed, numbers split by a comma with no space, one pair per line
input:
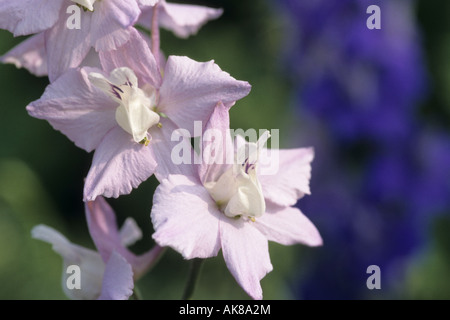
[41,171]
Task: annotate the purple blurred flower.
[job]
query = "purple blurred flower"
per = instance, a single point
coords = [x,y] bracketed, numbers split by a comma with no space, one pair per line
[363,83]
[390,174]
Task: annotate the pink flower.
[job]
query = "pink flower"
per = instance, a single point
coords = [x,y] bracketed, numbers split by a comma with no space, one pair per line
[109,273]
[127,112]
[104,25]
[30,54]
[235,208]
[182,19]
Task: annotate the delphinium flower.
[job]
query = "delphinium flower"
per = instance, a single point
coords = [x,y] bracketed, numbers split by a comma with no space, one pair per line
[182,19]
[362,88]
[233,206]
[127,111]
[103,25]
[111,92]
[110,272]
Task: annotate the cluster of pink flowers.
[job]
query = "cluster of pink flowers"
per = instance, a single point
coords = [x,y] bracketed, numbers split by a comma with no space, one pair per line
[112,91]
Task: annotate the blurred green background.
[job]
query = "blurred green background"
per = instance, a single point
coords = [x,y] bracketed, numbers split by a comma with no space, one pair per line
[41,171]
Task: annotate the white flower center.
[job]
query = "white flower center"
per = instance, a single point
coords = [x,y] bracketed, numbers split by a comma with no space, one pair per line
[88,4]
[238,192]
[134,113]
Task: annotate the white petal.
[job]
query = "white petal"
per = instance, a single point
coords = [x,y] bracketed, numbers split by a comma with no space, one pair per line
[89,4]
[122,76]
[223,190]
[90,263]
[248,200]
[134,114]
[102,83]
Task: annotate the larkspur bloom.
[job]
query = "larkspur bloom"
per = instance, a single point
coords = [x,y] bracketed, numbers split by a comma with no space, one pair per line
[234,208]
[183,20]
[104,25]
[110,272]
[127,112]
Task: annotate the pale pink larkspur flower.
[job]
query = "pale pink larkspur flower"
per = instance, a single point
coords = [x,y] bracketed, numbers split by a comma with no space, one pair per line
[110,272]
[104,25]
[234,208]
[128,111]
[182,19]
[30,54]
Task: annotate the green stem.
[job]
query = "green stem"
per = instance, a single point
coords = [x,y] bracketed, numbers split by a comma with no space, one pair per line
[194,273]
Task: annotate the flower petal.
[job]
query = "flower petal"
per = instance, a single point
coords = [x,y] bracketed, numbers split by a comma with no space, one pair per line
[29,54]
[191,90]
[66,48]
[117,281]
[147,2]
[186,218]
[111,22]
[246,254]
[217,146]
[130,232]
[88,4]
[287,226]
[290,179]
[136,55]
[71,105]
[90,263]
[118,166]
[166,144]
[184,19]
[114,12]
[29,16]
[103,229]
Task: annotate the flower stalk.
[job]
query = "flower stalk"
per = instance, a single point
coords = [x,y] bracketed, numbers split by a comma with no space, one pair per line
[194,273]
